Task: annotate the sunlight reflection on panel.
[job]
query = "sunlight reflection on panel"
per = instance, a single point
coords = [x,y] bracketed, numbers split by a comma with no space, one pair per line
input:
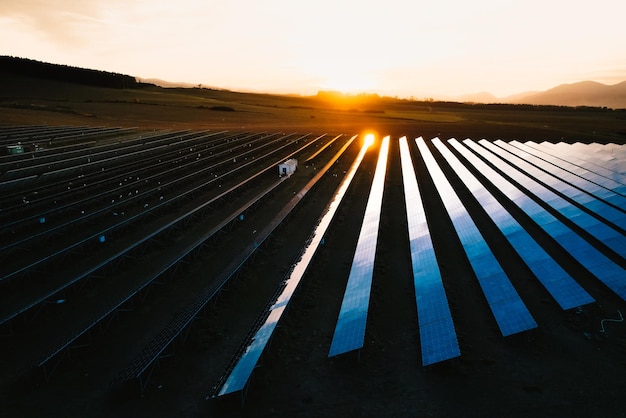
[593,260]
[557,281]
[437,334]
[350,328]
[600,230]
[573,167]
[506,305]
[609,156]
[563,180]
[240,374]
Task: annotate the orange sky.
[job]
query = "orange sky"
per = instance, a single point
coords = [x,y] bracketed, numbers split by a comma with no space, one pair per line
[414,48]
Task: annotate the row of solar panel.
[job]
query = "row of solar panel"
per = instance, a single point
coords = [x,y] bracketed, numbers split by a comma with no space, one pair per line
[163,175]
[27,298]
[238,378]
[350,329]
[45,134]
[245,363]
[523,186]
[606,159]
[522,182]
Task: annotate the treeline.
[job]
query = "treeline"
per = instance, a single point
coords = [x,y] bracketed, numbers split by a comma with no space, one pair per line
[544,107]
[375,99]
[510,106]
[57,72]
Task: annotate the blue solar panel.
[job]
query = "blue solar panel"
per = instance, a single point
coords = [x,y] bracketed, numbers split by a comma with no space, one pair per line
[350,329]
[437,334]
[575,166]
[610,156]
[559,284]
[508,309]
[603,232]
[584,159]
[563,180]
[609,273]
[238,378]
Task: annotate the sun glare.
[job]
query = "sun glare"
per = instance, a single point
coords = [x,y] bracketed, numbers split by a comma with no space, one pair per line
[369,140]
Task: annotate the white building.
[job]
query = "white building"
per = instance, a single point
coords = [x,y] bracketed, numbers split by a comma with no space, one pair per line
[288,167]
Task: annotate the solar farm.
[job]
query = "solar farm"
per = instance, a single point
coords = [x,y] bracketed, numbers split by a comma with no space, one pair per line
[182,273]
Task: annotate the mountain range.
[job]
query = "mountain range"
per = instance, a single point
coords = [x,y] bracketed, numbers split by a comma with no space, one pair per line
[584,93]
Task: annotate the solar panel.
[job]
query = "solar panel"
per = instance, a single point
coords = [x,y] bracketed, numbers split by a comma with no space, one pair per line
[240,374]
[563,180]
[238,378]
[437,334]
[508,309]
[616,171]
[609,273]
[350,329]
[603,232]
[611,156]
[561,286]
[573,165]
[568,154]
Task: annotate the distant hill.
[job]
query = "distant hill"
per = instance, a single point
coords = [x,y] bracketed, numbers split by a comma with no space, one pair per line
[167,84]
[515,98]
[57,72]
[584,93]
[482,97]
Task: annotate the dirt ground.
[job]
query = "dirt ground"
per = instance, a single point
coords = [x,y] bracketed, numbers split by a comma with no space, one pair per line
[565,367]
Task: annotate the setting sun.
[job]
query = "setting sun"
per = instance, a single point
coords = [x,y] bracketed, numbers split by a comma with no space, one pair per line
[369,140]
[349,83]
[453,48]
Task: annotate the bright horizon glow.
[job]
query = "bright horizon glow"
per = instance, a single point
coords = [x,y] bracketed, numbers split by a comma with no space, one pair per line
[397,48]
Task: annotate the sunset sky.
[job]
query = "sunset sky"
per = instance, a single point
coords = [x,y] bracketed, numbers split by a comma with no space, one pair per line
[438,49]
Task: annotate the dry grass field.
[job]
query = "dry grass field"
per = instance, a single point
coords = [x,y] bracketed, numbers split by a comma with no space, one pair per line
[564,368]
[55,103]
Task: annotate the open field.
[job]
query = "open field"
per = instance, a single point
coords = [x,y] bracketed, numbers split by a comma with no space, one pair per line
[45,102]
[564,367]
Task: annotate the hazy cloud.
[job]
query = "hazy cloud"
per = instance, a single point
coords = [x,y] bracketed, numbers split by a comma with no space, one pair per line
[422,47]
[63,21]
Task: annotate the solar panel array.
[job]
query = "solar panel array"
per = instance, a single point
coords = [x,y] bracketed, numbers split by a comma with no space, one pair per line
[240,375]
[238,378]
[554,278]
[89,194]
[538,192]
[594,260]
[507,307]
[592,157]
[573,196]
[583,174]
[437,334]
[350,329]
[511,165]
[594,197]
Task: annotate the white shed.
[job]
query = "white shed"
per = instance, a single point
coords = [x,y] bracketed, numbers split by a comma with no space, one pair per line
[288,167]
